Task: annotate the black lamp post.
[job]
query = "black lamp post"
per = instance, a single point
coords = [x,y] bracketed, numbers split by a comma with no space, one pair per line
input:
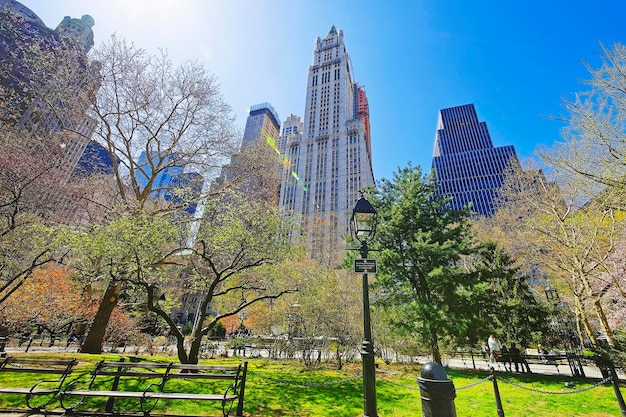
[363,225]
[243,316]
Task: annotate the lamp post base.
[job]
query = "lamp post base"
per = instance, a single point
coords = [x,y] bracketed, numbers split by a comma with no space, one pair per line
[369,379]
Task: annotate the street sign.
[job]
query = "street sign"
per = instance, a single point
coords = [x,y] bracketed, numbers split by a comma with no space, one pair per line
[365,266]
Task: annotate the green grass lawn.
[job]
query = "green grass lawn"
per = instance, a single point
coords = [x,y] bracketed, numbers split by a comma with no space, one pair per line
[287,388]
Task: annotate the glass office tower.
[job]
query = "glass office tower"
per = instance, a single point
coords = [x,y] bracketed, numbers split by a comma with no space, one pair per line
[467,167]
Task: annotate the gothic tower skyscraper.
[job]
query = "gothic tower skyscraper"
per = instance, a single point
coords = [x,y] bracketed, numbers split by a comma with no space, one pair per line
[331,162]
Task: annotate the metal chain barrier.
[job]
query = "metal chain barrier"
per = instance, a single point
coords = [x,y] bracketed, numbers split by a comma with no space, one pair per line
[306,384]
[487,378]
[578,391]
[397,384]
[473,384]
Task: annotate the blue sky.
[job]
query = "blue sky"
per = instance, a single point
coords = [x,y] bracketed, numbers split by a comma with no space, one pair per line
[513,60]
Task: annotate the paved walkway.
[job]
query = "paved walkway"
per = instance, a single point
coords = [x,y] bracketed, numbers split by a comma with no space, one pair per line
[483,365]
[478,363]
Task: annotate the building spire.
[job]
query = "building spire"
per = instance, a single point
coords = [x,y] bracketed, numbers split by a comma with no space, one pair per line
[332,31]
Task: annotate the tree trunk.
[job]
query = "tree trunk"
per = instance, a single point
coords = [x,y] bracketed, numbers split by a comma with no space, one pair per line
[193,356]
[95,337]
[194,350]
[604,322]
[339,362]
[585,320]
[434,346]
[180,348]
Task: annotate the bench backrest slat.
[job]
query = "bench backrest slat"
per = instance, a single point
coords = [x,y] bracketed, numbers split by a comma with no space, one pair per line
[34,370]
[188,375]
[39,366]
[132,374]
[166,371]
[234,368]
[60,362]
[145,365]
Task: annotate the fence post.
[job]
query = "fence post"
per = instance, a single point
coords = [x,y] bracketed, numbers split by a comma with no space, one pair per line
[437,391]
[575,365]
[30,341]
[496,393]
[618,393]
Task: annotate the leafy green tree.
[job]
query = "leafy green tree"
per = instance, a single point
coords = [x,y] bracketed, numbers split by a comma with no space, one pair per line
[422,242]
[177,117]
[131,249]
[238,241]
[326,313]
[511,308]
[555,225]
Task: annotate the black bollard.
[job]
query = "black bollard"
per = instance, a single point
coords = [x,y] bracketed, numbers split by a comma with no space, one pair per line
[618,393]
[496,393]
[437,391]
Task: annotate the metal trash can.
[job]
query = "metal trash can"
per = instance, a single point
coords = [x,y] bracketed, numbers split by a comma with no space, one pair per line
[437,391]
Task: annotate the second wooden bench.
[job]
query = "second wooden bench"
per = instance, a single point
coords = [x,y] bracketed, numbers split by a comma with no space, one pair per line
[149,382]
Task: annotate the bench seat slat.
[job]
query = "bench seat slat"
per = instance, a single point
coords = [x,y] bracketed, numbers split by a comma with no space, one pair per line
[118,394]
[152,395]
[191,397]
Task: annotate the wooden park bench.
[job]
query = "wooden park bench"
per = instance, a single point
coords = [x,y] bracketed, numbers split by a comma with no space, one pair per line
[140,385]
[40,380]
[557,359]
[533,358]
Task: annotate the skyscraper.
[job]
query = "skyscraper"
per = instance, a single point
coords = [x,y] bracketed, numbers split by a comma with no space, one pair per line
[165,169]
[331,163]
[288,145]
[467,167]
[254,168]
[263,121]
[41,72]
[182,189]
[292,131]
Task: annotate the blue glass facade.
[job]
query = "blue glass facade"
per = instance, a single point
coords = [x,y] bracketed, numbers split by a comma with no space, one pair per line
[162,180]
[466,165]
[94,160]
[185,190]
[170,183]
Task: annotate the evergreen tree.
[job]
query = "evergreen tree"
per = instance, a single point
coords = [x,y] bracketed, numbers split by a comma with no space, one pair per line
[422,243]
[512,309]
